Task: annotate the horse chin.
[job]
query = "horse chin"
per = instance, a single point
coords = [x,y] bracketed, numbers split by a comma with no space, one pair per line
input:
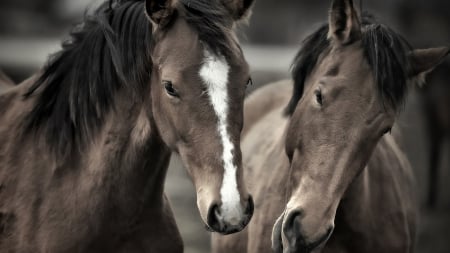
[208,228]
[227,232]
[226,229]
[219,220]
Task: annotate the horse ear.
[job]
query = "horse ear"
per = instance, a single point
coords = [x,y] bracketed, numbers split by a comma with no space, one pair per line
[238,8]
[159,11]
[344,22]
[424,61]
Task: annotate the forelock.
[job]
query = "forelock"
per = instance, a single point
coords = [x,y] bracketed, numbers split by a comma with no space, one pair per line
[213,23]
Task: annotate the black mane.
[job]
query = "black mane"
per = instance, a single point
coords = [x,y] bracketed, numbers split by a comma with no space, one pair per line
[213,23]
[385,50]
[109,50]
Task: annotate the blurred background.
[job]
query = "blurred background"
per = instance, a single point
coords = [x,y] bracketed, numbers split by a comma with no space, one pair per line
[31,30]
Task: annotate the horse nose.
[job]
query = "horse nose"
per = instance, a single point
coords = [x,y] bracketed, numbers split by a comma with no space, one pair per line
[218,224]
[291,228]
[292,231]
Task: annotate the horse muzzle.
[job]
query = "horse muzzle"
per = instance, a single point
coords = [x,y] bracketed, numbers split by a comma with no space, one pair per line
[223,223]
[288,237]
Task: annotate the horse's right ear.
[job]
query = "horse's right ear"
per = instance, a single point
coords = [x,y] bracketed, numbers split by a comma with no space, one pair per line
[344,22]
[238,9]
[160,12]
[424,61]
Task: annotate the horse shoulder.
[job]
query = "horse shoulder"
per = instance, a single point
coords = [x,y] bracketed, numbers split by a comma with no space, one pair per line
[263,100]
[266,171]
[263,143]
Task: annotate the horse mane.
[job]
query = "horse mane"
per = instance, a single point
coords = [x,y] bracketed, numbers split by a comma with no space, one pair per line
[212,21]
[385,50]
[109,50]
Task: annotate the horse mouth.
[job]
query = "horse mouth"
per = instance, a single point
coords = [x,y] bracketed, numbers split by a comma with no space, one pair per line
[217,223]
[224,229]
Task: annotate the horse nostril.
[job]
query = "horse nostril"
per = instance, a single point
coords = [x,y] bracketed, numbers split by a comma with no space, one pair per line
[213,219]
[250,206]
[291,228]
[297,241]
[219,222]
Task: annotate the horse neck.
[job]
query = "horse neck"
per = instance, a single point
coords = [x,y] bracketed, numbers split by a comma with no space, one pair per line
[383,188]
[130,149]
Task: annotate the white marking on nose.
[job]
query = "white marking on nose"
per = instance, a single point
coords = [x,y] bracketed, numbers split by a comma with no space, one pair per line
[214,73]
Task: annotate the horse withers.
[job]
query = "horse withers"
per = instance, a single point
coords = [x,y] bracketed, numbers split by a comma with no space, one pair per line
[85,144]
[329,177]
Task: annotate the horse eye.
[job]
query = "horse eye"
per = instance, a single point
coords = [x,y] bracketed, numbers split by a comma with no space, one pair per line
[319,98]
[169,89]
[387,131]
[250,81]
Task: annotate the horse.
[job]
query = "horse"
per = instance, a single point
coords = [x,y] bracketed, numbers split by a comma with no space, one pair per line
[435,98]
[324,171]
[85,143]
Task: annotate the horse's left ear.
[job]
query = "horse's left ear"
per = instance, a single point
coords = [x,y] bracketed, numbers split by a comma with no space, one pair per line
[424,61]
[160,12]
[344,22]
[239,9]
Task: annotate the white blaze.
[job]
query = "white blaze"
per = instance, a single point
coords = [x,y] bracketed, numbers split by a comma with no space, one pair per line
[214,73]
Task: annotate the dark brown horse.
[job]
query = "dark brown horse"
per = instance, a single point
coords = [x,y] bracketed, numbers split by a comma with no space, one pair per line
[85,144]
[329,176]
